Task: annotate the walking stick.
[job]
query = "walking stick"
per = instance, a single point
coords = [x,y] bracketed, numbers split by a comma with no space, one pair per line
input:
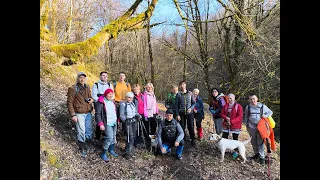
[128,132]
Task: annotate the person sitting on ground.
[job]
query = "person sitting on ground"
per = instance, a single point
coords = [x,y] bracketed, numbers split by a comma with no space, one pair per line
[170,134]
[106,117]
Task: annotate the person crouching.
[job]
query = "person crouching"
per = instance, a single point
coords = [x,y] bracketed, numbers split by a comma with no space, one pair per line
[129,115]
[106,117]
[170,134]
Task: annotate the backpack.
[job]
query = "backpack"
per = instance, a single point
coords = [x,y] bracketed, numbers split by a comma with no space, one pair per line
[77,88]
[226,100]
[272,122]
[98,83]
[115,83]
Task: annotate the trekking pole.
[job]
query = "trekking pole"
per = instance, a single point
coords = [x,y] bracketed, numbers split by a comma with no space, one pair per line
[143,138]
[128,132]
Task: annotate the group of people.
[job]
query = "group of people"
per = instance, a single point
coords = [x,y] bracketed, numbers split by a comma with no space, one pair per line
[118,106]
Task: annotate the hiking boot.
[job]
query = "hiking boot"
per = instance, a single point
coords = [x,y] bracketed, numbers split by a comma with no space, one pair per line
[193,143]
[104,156]
[82,149]
[127,156]
[256,156]
[111,150]
[262,161]
[89,145]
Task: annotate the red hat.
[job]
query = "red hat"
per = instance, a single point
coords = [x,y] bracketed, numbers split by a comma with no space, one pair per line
[107,91]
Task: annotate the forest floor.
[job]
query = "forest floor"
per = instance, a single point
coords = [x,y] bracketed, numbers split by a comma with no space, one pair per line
[60,158]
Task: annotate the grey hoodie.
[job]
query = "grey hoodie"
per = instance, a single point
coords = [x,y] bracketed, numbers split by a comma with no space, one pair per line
[252,120]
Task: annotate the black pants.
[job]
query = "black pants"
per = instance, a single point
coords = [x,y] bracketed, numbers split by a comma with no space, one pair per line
[130,136]
[189,121]
[141,132]
[234,135]
[199,119]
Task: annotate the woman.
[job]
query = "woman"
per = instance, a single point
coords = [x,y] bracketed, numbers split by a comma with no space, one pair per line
[232,114]
[106,117]
[198,112]
[215,107]
[150,109]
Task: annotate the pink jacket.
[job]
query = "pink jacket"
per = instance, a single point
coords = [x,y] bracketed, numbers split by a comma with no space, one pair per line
[149,111]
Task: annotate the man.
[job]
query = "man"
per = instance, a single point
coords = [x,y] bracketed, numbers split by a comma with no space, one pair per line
[79,105]
[253,113]
[184,108]
[97,90]
[170,134]
[120,90]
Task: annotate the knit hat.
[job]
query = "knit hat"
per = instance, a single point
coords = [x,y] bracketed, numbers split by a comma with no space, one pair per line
[107,91]
[129,94]
[169,111]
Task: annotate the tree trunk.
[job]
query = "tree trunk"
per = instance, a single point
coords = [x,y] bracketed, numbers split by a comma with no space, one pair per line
[150,50]
[92,45]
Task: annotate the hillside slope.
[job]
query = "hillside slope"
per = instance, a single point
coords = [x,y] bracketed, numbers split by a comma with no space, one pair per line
[59,157]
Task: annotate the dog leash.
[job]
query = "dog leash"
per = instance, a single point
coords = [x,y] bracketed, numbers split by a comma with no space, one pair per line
[269,173]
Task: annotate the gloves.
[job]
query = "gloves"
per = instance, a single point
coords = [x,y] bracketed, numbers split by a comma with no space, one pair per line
[212,111]
[137,116]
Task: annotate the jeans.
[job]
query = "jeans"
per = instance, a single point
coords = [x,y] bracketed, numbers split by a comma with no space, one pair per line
[110,133]
[130,136]
[168,146]
[84,126]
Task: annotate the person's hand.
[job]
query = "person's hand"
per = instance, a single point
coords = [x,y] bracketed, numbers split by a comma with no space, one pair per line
[74,119]
[102,128]
[90,101]
[176,144]
[195,111]
[178,118]
[189,110]
[163,150]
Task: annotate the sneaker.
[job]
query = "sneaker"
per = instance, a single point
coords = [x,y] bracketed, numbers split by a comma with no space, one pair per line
[256,156]
[83,153]
[193,143]
[179,157]
[262,161]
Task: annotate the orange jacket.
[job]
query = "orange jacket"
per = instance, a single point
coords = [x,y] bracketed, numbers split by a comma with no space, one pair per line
[266,131]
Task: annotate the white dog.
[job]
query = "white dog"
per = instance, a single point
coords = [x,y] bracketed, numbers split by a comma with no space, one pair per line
[154,142]
[229,144]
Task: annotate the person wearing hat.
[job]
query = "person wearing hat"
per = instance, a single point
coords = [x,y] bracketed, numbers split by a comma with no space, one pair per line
[129,116]
[79,104]
[170,133]
[106,117]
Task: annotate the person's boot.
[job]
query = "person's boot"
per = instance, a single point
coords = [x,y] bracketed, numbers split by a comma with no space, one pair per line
[82,149]
[256,156]
[262,161]
[179,152]
[200,133]
[111,150]
[104,156]
[193,143]
[88,146]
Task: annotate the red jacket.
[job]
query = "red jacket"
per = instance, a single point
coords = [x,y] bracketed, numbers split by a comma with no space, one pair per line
[236,116]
